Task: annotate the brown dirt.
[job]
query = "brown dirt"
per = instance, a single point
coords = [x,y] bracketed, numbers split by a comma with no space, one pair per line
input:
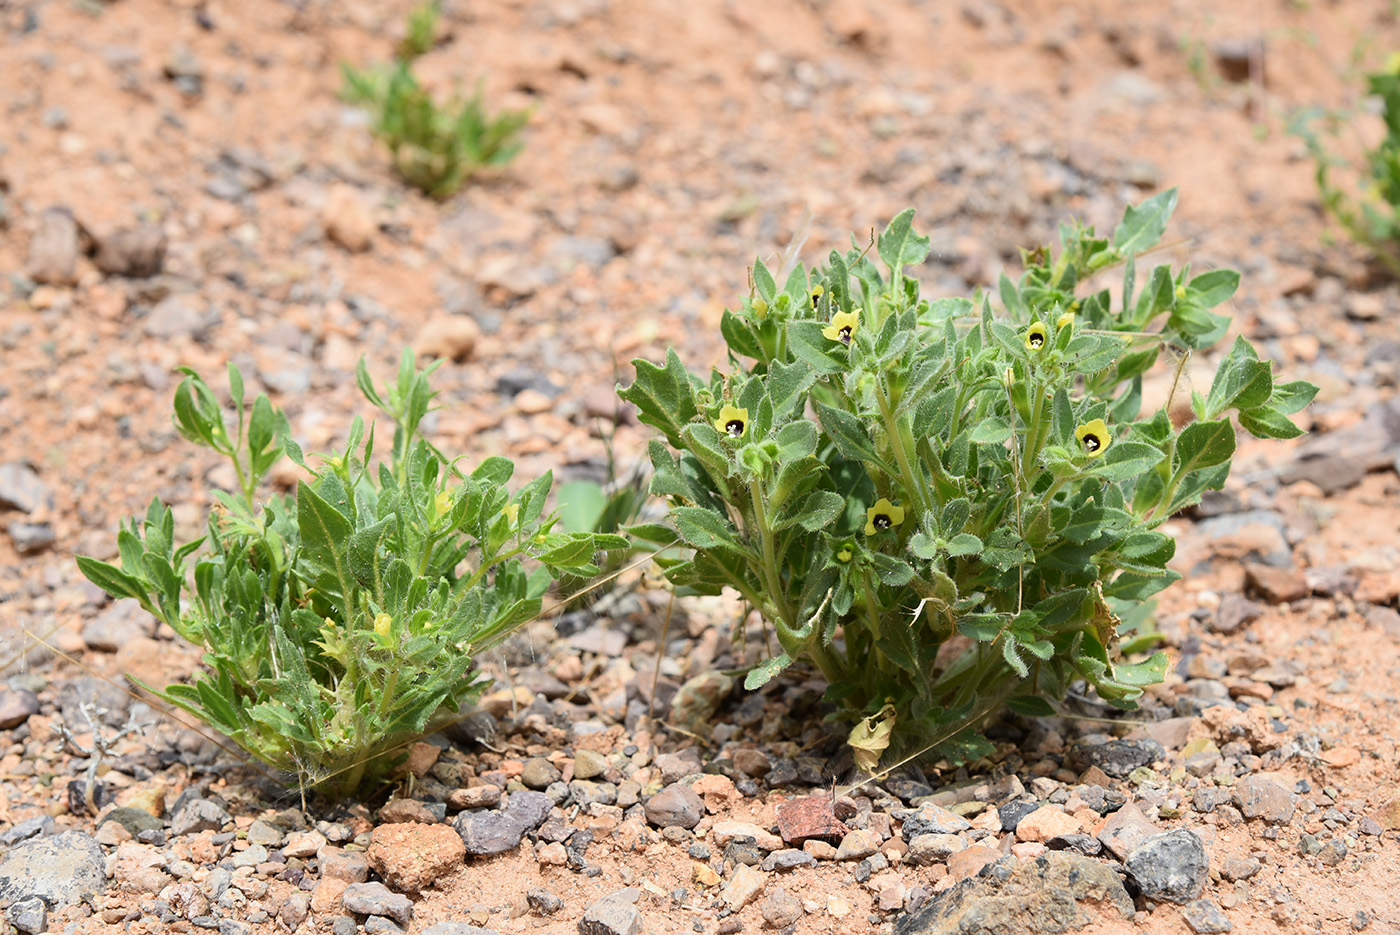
[669,146]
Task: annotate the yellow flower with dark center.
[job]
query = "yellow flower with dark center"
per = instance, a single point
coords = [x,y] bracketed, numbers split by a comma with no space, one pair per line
[883,515]
[843,326]
[381,624]
[511,511]
[1066,319]
[1094,436]
[1036,336]
[817,292]
[733,421]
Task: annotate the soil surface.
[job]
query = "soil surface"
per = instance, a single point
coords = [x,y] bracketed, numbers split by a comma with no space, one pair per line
[181,185]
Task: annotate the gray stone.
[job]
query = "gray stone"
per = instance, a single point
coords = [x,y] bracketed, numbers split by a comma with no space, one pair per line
[585,793]
[31,538]
[379,925]
[931,819]
[677,805]
[251,856]
[199,815]
[787,859]
[1170,867]
[118,625]
[1205,918]
[53,250]
[780,909]
[543,901]
[134,819]
[1030,897]
[132,251]
[16,707]
[61,870]
[611,915]
[1125,830]
[1118,758]
[30,827]
[178,316]
[1235,611]
[589,764]
[457,928]
[22,489]
[344,925]
[234,927]
[1258,796]
[376,899]
[538,773]
[486,832]
[29,915]
[265,833]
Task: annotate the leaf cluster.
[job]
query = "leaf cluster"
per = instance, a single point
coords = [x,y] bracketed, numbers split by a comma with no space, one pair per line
[943,507]
[340,622]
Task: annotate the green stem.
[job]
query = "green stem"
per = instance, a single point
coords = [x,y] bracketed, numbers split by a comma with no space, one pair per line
[770,562]
[912,487]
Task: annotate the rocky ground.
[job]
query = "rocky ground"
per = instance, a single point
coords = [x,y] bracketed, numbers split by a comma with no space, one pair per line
[179,185]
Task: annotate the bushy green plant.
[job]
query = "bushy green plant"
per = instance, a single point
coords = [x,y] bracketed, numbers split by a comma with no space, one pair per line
[435,147]
[1367,200]
[945,509]
[342,622]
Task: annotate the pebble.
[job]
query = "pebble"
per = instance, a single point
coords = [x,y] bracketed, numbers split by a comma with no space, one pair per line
[483,796]
[1259,796]
[31,538]
[1125,830]
[614,914]
[61,870]
[1118,758]
[53,249]
[677,805]
[858,844]
[138,252]
[927,849]
[543,901]
[1170,867]
[1046,822]
[16,707]
[346,219]
[1205,918]
[493,832]
[538,773]
[780,909]
[743,888]
[589,764]
[22,489]
[752,762]
[411,855]
[808,817]
[932,819]
[177,316]
[788,859]
[29,915]
[339,864]
[376,899]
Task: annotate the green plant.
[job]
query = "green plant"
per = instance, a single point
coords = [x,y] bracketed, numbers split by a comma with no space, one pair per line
[435,147]
[1367,200]
[943,509]
[343,622]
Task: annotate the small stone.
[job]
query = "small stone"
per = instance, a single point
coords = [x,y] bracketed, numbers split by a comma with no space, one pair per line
[752,762]
[932,819]
[1118,758]
[483,796]
[411,856]
[376,899]
[29,915]
[1240,868]
[1276,585]
[494,832]
[53,250]
[1235,611]
[614,914]
[858,844]
[676,805]
[302,844]
[1259,796]
[927,849]
[538,773]
[1170,867]
[970,860]
[788,859]
[402,810]
[199,815]
[695,703]
[31,538]
[779,909]
[16,707]
[294,910]
[589,764]
[808,817]
[22,489]
[1205,918]
[543,901]
[340,864]
[346,219]
[743,888]
[1046,822]
[1125,830]
[705,875]
[138,252]
[448,336]
[177,315]
[552,854]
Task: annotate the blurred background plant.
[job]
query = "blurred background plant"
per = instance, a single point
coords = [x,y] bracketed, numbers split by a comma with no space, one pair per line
[1359,183]
[434,147]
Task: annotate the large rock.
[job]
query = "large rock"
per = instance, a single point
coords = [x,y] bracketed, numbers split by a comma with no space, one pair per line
[1056,892]
[410,856]
[61,870]
[487,832]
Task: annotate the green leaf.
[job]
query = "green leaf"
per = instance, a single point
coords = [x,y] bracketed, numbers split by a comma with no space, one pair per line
[581,504]
[109,578]
[664,396]
[991,431]
[820,509]
[324,532]
[762,673]
[763,282]
[705,529]
[1031,706]
[848,432]
[1151,671]
[1264,422]
[1144,224]
[809,345]
[899,246]
[1292,397]
[1210,289]
[787,384]
[1125,459]
[1205,444]
[891,570]
[964,544]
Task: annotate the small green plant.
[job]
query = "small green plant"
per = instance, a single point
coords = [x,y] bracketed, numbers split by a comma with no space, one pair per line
[342,622]
[1366,201]
[435,147]
[944,509]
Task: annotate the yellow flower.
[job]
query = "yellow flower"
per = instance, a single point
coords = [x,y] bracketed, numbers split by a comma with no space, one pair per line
[760,308]
[442,503]
[843,326]
[381,624]
[1181,292]
[1066,319]
[1036,336]
[817,292]
[511,511]
[1094,436]
[883,515]
[733,421]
